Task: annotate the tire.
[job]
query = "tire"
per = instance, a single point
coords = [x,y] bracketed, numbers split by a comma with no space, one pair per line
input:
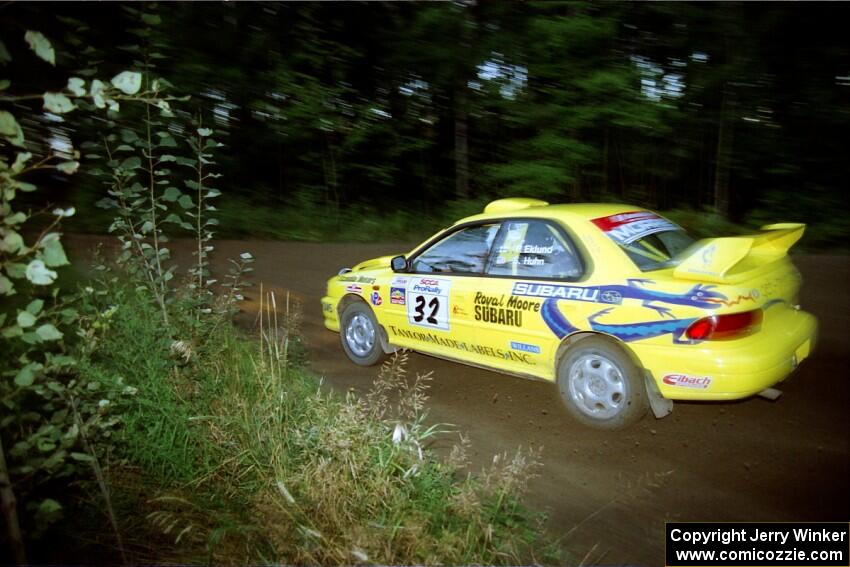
[600,385]
[359,332]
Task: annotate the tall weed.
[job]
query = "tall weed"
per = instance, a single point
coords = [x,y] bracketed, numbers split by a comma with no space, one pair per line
[253,461]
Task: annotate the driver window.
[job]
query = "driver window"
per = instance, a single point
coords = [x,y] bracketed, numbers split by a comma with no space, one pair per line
[534,249]
[464,252]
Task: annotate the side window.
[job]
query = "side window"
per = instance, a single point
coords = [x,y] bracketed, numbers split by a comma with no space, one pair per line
[534,249]
[463,252]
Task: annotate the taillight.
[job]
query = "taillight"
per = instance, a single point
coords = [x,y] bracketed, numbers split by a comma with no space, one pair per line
[725,327]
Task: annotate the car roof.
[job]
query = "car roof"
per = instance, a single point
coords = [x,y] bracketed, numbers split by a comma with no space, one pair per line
[511,208]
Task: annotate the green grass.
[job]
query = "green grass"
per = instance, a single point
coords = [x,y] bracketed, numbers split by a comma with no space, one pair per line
[238,448]
[158,429]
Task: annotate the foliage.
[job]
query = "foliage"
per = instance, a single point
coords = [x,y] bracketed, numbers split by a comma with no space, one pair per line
[349,122]
[48,410]
[143,194]
[307,219]
[249,460]
[177,392]
[373,109]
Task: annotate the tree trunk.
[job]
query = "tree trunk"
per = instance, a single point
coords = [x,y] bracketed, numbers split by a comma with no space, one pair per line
[575,186]
[605,161]
[461,146]
[10,513]
[724,154]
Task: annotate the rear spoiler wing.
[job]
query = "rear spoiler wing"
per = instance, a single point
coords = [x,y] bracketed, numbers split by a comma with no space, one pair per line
[713,258]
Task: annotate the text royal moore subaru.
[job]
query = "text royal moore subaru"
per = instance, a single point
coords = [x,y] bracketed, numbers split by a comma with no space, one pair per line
[617,305]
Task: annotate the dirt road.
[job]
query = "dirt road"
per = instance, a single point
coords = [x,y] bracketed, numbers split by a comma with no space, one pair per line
[609,494]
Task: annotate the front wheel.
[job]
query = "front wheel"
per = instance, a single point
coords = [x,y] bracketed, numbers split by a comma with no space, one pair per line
[600,385]
[359,334]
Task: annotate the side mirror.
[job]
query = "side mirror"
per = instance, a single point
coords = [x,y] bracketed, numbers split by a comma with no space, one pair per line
[399,264]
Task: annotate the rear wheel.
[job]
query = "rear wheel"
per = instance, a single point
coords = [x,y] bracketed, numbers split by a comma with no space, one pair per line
[600,385]
[359,335]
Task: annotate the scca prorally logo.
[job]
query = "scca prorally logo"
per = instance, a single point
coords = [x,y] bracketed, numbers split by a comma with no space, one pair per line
[375,298]
[427,285]
[685,381]
[353,289]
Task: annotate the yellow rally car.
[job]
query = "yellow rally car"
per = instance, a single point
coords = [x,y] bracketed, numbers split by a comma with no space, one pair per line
[617,305]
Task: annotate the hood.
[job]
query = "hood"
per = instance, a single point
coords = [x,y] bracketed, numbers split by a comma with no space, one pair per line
[374,263]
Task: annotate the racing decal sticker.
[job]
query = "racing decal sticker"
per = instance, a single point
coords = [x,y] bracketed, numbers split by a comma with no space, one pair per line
[753,295]
[625,228]
[534,255]
[397,295]
[644,330]
[577,293]
[611,296]
[483,350]
[511,247]
[708,254]
[685,381]
[555,320]
[357,279]
[351,288]
[525,347]
[496,309]
[626,332]
[375,298]
[428,302]
[699,295]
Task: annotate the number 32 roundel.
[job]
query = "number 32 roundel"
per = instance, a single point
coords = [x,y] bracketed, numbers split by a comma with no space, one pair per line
[428,302]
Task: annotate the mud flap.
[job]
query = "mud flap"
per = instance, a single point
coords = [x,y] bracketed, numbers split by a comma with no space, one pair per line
[771,394]
[660,406]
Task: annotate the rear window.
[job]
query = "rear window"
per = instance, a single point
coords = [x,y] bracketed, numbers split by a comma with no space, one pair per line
[652,242]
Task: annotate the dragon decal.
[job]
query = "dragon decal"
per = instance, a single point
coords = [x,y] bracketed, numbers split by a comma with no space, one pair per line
[555,320]
[626,332]
[698,296]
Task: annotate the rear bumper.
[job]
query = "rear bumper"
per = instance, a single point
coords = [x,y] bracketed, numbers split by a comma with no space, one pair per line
[730,370]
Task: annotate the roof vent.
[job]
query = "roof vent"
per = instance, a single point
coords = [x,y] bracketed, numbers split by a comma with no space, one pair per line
[513,204]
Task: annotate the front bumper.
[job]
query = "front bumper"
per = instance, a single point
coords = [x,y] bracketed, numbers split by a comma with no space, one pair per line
[329,313]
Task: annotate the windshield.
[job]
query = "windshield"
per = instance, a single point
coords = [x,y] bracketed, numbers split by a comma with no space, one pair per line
[464,251]
[652,242]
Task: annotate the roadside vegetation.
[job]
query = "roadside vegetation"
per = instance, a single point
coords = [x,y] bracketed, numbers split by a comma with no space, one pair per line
[245,458]
[140,425]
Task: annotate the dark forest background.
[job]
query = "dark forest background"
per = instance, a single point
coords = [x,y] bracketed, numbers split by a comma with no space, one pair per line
[385,120]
